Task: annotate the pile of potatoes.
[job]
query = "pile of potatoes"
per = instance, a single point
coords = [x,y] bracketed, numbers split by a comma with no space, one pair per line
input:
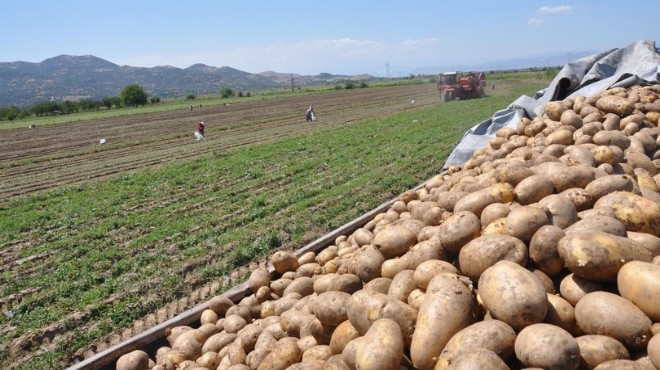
[542,251]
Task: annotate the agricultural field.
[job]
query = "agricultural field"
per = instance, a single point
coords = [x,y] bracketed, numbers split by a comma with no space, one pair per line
[100,242]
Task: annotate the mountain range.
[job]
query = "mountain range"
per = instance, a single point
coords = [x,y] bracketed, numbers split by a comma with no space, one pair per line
[68,77]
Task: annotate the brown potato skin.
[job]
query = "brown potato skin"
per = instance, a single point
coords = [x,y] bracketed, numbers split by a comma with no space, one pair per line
[484,251]
[561,313]
[478,358]
[596,349]
[344,333]
[330,307]
[513,295]
[547,346]
[635,212]
[366,307]
[458,229]
[625,322]
[543,249]
[653,351]
[447,298]
[532,189]
[597,255]
[523,222]
[382,347]
[285,354]
[135,360]
[639,282]
[402,285]
[493,335]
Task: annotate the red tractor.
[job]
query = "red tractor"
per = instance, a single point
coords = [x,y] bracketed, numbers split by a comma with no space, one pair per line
[456,86]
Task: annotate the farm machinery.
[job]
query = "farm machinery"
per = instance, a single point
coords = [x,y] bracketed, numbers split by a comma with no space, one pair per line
[457,86]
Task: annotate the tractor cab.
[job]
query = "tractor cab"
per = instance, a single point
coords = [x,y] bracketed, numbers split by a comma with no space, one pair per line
[448,78]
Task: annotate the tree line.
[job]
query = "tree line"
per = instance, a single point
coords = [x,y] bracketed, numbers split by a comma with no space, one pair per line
[131,96]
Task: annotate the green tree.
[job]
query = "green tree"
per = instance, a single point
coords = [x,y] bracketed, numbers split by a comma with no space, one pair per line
[226,92]
[133,95]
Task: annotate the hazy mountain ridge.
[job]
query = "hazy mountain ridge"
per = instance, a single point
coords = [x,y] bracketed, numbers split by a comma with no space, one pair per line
[76,77]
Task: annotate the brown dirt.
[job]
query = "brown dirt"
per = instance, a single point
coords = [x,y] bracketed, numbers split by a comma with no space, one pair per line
[51,156]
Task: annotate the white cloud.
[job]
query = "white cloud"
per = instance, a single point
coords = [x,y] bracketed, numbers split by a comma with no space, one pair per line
[535,21]
[556,9]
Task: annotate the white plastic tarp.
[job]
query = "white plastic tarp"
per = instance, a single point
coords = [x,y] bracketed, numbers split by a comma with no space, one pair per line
[637,63]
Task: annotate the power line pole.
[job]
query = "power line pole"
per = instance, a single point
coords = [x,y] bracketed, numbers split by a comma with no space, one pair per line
[292,82]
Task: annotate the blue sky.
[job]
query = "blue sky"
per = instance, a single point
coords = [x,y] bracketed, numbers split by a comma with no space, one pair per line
[311,37]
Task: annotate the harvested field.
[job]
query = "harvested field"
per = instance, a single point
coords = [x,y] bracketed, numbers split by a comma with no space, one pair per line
[52,156]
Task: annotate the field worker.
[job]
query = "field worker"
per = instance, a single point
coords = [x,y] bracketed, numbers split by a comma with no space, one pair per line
[200,131]
[309,115]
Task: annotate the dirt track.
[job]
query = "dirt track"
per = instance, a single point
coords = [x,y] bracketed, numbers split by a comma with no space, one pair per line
[50,156]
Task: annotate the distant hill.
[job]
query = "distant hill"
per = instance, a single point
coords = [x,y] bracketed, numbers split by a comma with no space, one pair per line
[77,77]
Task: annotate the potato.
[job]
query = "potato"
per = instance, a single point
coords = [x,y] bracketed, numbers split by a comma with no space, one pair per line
[606,224]
[279,285]
[561,313]
[571,177]
[653,350]
[459,229]
[427,270]
[612,138]
[513,295]
[597,255]
[306,343]
[300,324]
[320,352]
[379,285]
[496,227]
[394,241]
[382,347]
[493,335]
[336,362]
[639,282]
[220,304]
[635,212]
[284,261]
[208,316]
[218,341]
[475,202]
[523,222]
[366,307]
[562,211]
[415,299]
[573,288]
[330,307]
[625,322]
[543,249]
[423,251]
[303,285]
[596,349]
[285,354]
[449,299]
[493,212]
[447,199]
[648,241]
[555,109]
[348,283]
[619,365]
[402,285]
[135,360]
[478,358]
[368,264]
[344,333]
[393,266]
[532,189]
[615,104]
[484,251]
[608,184]
[547,346]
